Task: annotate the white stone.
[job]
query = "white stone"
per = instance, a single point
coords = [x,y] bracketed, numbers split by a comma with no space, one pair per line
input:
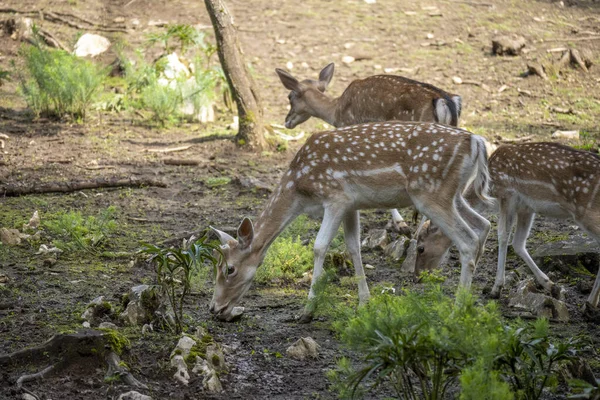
[457,79]
[289,65]
[108,325]
[133,395]
[10,237]
[34,221]
[565,135]
[90,44]
[348,59]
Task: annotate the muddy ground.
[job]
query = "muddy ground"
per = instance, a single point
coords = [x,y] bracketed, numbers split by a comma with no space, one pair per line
[39,300]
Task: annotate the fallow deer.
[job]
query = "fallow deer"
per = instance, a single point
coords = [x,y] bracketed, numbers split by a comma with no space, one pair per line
[377,165]
[545,178]
[373,99]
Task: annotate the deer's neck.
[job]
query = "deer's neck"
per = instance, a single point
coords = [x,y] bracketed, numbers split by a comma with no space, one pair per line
[281,210]
[324,107]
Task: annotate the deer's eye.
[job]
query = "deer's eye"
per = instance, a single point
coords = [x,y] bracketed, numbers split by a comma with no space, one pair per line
[230,270]
[420,249]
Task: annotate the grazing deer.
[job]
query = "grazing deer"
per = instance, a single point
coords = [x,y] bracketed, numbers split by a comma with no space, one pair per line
[546,178]
[377,165]
[373,99]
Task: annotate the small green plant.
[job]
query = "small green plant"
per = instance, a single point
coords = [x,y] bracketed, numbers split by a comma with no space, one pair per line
[74,232]
[162,101]
[175,267]
[187,36]
[217,181]
[58,83]
[3,76]
[287,259]
[531,358]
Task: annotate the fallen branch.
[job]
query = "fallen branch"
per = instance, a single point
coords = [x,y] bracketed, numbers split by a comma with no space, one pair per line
[53,17]
[116,368]
[96,167]
[175,161]
[472,3]
[171,150]
[51,40]
[581,39]
[67,187]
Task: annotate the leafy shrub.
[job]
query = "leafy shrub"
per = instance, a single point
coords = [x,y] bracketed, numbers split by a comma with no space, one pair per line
[74,232]
[175,269]
[423,344]
[58,83]
[530,359]
[162,101]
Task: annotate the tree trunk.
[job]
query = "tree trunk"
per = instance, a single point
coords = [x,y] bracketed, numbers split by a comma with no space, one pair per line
[243,88]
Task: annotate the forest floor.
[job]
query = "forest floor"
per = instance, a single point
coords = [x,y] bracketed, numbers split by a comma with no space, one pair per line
[38,300]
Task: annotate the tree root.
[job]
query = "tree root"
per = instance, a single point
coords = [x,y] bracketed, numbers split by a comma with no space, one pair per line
[66,187]
[68,349]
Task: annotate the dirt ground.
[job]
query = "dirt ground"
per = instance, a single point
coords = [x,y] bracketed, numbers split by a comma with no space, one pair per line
[391,35]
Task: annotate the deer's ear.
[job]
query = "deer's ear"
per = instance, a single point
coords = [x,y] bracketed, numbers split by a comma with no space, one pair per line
[325,76]
[245,233]
[289,82]
[223,237]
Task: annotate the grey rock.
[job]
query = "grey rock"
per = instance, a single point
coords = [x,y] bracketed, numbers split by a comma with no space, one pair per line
[108,325]
[303,348]
[10,237]
[375,238]
[528,298]
[506,45]
[577,256]
[395,250]
[215,357]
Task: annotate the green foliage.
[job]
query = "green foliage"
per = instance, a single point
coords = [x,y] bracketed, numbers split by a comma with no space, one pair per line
[3,76]
[186,35]
[58,83]
[432,277]
[116,340]
[287,259]
[585,390]
[175,268]
[531,358]
[479,382]
[74,232]
[162,101]
[423,344]
[217,181]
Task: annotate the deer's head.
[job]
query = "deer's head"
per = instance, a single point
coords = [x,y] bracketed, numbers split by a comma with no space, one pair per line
[303,94]
[236,270]
[432,247]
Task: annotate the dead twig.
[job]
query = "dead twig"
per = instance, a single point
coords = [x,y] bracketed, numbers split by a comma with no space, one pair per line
[11,190]
[170,150]
[581,39]
[96,167]
[473,3]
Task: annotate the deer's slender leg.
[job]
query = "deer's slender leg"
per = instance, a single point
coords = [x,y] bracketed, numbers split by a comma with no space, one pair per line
[505,224]
[446,216]
[480,225]
[591,226]
[332,220]
[524,222]
[352,237]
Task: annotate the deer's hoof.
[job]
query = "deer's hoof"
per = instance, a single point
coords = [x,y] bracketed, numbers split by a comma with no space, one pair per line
[496,291]
[557,292]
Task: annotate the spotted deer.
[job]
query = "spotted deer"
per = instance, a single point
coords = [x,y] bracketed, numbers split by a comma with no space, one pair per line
[373,99]
[377,165]
[545,178]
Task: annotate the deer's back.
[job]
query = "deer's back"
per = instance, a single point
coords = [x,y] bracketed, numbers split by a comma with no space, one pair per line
[388,97]
[550,178]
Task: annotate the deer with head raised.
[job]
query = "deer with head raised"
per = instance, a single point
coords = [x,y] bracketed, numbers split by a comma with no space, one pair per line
[372,99]
[545,178]
[377,165]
